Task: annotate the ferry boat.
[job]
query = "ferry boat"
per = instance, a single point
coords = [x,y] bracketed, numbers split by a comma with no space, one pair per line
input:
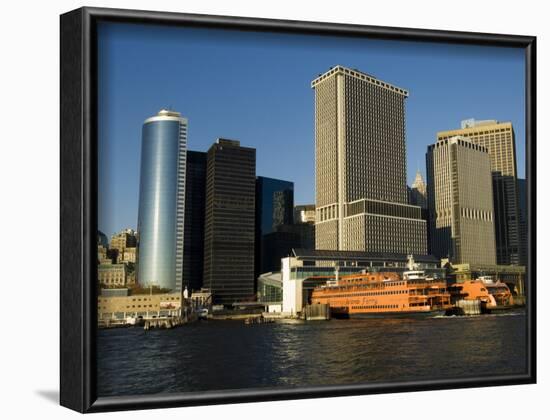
[492,295]
[385,293]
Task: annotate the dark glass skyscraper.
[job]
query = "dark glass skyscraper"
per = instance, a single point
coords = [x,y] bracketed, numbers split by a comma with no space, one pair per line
[161,200]
[193,232]
[274,207]
[229,222]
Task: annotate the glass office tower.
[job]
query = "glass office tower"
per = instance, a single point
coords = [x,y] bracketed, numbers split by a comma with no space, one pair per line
[195,199]
[274,208]
[162,200]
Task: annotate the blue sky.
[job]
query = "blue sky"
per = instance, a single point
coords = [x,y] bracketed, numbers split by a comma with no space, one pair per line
[255,87]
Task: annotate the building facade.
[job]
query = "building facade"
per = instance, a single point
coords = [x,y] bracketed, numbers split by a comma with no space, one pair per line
[128,255]
[461,215]
[499,140]
[193,233]
[120,307]
[283,208]
[274,208]
[229,222]
[111,275]
[523,227]
[360,166]
[276,245]
[126,238]
[418,192]
[304,213]
[162,200]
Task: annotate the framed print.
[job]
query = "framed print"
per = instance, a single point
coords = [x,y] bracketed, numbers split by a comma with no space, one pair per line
[258,209]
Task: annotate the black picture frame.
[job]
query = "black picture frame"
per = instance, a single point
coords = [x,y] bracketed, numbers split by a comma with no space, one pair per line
[78,152]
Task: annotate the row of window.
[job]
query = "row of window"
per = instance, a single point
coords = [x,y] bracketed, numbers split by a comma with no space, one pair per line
[383,293]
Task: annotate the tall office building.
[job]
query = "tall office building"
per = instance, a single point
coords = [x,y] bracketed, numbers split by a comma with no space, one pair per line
[229,221]
[360,166]
[418,192]
[193,232]
[499,140]
[274,207]
[161,200]
[523,231]
[460,201]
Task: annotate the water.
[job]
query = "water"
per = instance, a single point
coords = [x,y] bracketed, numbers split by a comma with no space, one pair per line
[218,355]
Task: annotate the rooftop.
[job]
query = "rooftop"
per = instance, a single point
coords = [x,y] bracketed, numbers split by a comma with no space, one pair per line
[329,255]
[166,115]
[358,75]
[228,142]
[473,126]
[471,122]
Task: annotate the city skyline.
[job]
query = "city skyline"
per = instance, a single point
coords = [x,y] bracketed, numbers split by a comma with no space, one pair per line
[273,109]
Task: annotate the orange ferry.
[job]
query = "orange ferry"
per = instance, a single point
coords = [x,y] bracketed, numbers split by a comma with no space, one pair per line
[384,294]
[493,295]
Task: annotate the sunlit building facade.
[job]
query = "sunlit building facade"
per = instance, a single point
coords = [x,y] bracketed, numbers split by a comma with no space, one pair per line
[499,140]
[162,200]
[460,198]
[360,166]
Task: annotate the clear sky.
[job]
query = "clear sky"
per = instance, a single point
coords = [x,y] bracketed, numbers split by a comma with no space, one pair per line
[255,87]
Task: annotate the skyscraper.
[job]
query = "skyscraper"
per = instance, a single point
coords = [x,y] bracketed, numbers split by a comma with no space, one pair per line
[229,221]
[360,166]
[460,201]
[499,140]
[193,232]
[418,192]
[161,200]
[274,207]
[523,231]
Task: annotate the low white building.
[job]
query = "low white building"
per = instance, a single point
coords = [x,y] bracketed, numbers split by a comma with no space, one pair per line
[292,288]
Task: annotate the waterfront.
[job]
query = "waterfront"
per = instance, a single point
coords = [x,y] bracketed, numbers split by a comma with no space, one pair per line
[217,355]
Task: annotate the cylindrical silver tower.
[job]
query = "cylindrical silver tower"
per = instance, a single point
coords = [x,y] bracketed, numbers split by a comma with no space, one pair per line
[162,200]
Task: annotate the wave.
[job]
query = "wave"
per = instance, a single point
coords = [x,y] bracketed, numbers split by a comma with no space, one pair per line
[500,314]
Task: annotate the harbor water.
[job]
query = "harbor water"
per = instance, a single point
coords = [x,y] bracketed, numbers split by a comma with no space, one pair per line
[223,355]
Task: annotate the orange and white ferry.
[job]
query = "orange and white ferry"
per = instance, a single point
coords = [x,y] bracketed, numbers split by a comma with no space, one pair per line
[493,295]
[384,294]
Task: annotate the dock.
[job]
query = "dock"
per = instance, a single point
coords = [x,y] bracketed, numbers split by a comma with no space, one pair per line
[316,312]
[163,322]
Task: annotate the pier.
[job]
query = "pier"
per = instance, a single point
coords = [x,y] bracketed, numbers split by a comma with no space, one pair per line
[163,323]
[317,312]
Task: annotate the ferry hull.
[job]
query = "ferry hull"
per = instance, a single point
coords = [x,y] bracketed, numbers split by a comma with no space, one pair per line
[500,308]
[400,314]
